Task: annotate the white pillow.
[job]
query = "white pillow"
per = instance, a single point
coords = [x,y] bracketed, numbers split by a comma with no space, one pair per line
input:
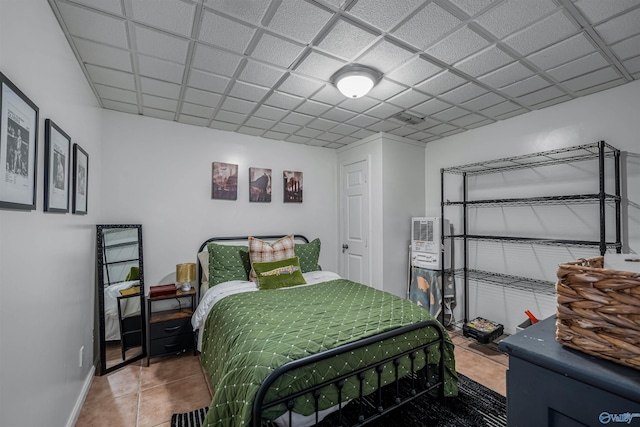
[204,263]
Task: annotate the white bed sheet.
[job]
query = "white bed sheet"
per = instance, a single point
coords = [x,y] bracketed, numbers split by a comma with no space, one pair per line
[129,307]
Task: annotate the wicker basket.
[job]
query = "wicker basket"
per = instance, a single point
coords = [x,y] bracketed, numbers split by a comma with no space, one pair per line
[599,311]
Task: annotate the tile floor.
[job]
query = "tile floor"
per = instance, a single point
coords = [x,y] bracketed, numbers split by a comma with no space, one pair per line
[141,396]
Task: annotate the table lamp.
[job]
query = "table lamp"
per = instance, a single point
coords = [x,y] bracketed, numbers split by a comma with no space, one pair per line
[185,274]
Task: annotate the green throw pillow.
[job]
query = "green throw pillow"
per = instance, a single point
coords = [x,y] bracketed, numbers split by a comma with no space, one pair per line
[133,274]
[308,254]
[279,274]
[228,262]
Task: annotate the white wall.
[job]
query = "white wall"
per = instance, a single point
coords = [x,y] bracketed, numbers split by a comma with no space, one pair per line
[612,116]
[46,260]
[158,173]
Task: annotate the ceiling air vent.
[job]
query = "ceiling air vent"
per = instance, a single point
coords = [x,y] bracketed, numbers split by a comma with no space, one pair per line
[406,118]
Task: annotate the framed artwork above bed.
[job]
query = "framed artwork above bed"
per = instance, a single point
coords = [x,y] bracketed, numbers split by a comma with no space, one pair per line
[292,186]
[259,185]
[224,181]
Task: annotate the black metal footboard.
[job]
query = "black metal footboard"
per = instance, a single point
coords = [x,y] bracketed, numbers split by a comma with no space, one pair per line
[376,406]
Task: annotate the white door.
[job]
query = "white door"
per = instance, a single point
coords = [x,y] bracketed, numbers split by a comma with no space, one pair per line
[355,222]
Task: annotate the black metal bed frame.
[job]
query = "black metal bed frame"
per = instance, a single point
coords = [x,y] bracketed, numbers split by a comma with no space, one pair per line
[401,390]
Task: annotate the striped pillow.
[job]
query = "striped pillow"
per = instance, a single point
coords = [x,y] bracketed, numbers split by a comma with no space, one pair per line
[261,251]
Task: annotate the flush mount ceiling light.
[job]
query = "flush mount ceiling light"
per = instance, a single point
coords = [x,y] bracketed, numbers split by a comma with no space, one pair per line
[355,81]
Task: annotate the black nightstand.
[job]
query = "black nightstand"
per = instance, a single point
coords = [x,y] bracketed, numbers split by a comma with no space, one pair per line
[170,331]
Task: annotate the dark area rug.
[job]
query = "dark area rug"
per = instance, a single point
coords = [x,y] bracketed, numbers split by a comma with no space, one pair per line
[475,406]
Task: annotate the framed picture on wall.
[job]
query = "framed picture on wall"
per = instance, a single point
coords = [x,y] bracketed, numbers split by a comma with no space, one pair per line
[80,180]
[18,148]
[292,186]
[224,181]
[57,155]
[259,185]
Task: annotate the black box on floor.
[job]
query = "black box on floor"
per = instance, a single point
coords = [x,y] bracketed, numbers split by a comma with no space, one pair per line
[483,330]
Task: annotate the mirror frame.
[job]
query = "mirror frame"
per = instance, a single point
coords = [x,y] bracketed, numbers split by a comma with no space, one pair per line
[102,368]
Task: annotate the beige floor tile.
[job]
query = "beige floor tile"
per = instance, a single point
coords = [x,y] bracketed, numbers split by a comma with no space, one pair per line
[162,370]
[122,382]
[109,412]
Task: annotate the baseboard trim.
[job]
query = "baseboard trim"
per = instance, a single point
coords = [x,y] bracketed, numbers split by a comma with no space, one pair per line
[73,418]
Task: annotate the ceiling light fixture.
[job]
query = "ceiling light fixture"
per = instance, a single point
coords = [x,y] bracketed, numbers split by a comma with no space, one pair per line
[355,81]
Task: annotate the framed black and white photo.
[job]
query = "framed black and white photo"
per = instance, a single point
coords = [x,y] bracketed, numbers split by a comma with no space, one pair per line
[260,185]
[292,183]
[80,180]
[18,148]
[57,155]
[224,181]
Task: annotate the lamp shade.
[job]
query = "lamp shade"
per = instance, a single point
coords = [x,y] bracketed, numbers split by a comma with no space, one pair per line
[355,81]
[186,272]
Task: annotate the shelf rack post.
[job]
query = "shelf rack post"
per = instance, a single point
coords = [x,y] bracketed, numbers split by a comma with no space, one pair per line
[442,237]
[465,244]
[616,162]
[601,196]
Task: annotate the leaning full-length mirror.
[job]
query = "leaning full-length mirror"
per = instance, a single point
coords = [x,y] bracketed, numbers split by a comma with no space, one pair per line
[119,296]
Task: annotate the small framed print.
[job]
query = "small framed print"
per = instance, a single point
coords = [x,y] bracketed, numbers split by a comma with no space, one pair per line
[292,183]
[259,185]
[224,181]
[18,148]
[57,154]
[80,180]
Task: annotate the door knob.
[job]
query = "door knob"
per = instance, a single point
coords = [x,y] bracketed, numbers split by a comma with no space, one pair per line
[345,247]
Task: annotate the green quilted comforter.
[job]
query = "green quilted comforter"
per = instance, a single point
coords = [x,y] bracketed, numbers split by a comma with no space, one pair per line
[248,335]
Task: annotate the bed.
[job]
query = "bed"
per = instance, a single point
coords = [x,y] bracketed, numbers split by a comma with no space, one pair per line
[292,354]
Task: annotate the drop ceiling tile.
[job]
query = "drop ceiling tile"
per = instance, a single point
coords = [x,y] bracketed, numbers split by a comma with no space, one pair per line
[362,121]
[385,89]
[359,105]
[156,87]
[441,83]
[346,40]
[261,74]
[196,110]
[541,34]
[485,101]
[431,107]
[579,66]
[230,117]
[103,55]
[329,94]
[313,108]
[275,135]
[300,86]
[271,113]
[224,32]
[425,124]
[299,20]
[297,139]
[591,79]
[562,52]
[362,134]
[113,6]
[329,136]
[215,60]
[385,56]
[159,69]
[511,114]
[260,123]
[468,120]
[442,128]
[408,99]
[115,94]
[383,14]
[472,7]
[506,75]
[297,119]
[539,96]
[458,45]
[206,81]
[479,124]
[248,91]
[552,101]
[215,124]
[425,26]
[433,138]
[338,114]
[627,48]
[463,93]
[309,133]
[525,86]
[384,110]
[344,129]
[620,27]
[110,77]
[250,11]
[453,132]
[172,15]
[285,128]
[383,126]
[402,131]
[512,15]
[94,26]
[159,103]
[450,114]
[414,71]
[283,100]
[484,61]
[632,65]
[237,105]
[597,10]
[603,86]
[250,131]
[347,140]
[158,114]
[201,97]
[319,65]
[500,109]
[276,50]
[322,124]
[120,106]
[161,45]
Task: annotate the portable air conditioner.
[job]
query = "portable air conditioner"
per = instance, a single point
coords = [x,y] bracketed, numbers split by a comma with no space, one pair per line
[426,242]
